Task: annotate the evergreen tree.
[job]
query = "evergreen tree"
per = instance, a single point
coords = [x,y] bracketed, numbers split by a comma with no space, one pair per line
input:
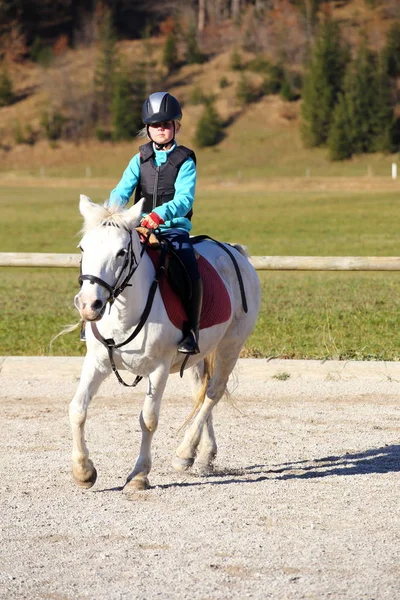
[209,127]
[286,92]
[363,119]
[322,84]
[193,54]
[274,81]
[391,52]
[6,88]
[385,136]
[170,53]
[126,104]
[105,71]
[41,53]
[244,91]
[362,100]
[52,123]
[339,142]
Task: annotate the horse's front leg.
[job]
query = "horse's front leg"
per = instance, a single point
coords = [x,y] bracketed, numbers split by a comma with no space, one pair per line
[83,470]
[148,419]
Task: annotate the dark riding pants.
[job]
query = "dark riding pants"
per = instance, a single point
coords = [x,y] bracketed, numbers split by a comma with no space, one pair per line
[180,240]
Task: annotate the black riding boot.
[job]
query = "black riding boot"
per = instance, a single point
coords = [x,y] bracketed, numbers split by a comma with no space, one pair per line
[189,343]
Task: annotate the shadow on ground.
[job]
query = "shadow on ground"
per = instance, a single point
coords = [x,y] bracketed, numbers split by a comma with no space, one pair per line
[375,460]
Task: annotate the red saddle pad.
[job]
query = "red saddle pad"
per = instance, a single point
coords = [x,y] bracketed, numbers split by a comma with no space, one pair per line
[216,306]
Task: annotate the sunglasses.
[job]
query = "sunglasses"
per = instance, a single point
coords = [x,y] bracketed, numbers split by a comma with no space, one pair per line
[163,125]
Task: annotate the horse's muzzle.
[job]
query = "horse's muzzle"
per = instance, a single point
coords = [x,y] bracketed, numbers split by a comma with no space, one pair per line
[90,311]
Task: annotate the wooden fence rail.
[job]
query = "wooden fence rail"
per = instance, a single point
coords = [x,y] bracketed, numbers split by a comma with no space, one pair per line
[261,263]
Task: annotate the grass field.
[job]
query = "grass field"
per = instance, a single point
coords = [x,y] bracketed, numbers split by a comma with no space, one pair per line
[303,315]
[259,186]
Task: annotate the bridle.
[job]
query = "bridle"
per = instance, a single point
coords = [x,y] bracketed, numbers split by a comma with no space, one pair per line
[131,263]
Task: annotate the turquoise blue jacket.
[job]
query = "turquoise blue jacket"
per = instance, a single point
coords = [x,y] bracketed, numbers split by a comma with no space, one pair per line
[172,212]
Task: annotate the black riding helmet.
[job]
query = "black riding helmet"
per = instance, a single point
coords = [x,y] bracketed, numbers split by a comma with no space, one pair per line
[160,107]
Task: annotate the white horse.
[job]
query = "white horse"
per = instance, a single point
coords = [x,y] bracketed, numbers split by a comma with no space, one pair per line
[116,276]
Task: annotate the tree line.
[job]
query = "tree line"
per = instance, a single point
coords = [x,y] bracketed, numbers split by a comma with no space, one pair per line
[350,95]
[30,20]
[22,22]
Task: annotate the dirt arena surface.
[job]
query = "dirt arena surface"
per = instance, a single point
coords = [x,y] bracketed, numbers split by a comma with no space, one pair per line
[304,502]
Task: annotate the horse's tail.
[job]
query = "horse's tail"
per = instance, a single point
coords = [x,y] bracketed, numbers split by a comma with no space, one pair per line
[208,371]
[67,329]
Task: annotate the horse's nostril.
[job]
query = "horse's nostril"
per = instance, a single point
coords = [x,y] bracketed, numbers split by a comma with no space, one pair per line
[97,305]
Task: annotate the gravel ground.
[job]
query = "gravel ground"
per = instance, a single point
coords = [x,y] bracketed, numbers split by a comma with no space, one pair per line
[303,503]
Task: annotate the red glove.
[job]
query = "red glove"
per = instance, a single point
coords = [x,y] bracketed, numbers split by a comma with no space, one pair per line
[152,221]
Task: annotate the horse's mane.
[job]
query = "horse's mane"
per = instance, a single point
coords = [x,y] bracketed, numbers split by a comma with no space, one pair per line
[105,215]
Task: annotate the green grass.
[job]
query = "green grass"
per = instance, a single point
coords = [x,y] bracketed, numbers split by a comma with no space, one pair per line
[36,304]
[303,223]
[254,150]
[40,220]
[328,315]
[303,315]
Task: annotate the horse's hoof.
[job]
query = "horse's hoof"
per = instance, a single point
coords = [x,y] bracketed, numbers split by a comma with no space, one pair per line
[85,479]
[205,462]
[182,464]
[204,467]
[137,485]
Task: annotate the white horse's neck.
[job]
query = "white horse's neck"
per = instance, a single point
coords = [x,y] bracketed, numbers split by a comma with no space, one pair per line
[131,303]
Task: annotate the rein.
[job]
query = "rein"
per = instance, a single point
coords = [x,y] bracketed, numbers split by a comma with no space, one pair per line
[109,343]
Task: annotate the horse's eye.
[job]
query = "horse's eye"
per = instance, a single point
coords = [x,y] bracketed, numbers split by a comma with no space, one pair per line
[122,252]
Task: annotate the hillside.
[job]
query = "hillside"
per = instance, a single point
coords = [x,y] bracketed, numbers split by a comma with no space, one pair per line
[260,139]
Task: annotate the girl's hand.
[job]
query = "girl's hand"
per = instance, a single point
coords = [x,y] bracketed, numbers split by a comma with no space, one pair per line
[152,221]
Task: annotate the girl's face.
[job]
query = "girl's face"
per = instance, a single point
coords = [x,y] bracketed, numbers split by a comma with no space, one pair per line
[162,133]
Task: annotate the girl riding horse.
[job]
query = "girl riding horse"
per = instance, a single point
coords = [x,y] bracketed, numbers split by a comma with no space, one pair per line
[164,173]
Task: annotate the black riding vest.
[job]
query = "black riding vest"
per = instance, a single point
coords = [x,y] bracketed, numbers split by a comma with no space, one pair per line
[156,184]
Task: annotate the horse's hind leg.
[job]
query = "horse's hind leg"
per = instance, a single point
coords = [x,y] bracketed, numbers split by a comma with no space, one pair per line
[207,450]
[83,470]
[226,357]
[187,450]
[207,445]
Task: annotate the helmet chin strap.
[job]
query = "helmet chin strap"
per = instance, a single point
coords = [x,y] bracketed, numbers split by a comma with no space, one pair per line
[161,146]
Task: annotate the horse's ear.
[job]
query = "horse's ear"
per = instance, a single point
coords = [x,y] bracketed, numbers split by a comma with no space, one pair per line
[91,212]
[134,214]
[84,202]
